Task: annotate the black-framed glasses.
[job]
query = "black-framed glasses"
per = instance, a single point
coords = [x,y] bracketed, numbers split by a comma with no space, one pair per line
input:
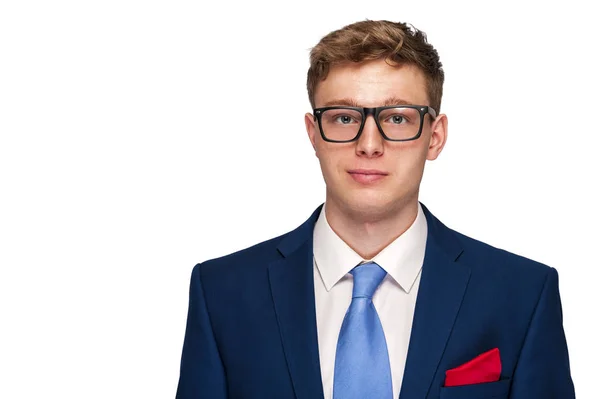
[343,124]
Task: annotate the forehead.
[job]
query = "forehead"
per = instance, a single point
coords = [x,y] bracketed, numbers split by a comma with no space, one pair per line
[371,84]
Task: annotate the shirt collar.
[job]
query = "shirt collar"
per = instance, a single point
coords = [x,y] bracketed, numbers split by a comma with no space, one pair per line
[402,259]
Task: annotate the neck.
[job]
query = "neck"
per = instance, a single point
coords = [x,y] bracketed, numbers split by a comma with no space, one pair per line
[368,232]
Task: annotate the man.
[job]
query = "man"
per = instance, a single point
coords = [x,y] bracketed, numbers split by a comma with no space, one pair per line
[372,296]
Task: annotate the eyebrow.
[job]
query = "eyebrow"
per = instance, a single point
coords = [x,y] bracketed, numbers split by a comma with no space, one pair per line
[349,102]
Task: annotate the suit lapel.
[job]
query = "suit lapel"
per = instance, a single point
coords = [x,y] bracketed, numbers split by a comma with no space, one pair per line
[441,290]
[292,288]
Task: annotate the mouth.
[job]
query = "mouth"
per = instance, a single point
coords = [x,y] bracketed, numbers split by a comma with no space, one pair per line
[365,176]
[367,172]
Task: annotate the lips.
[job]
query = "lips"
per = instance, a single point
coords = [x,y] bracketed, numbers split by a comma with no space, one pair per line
[366,176]
[367,172]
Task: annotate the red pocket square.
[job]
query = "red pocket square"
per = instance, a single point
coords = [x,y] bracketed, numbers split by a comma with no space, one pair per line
[484,368]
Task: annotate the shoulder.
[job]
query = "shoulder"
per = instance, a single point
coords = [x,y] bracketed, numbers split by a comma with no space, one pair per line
[497,266]
[243,261]
[499,257]
[479,256]
[252,262]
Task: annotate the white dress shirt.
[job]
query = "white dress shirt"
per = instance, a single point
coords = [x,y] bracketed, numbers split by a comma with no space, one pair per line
[394,300]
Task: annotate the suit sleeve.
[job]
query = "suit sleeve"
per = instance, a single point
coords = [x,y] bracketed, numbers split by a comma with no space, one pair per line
[543,370]
[201,374]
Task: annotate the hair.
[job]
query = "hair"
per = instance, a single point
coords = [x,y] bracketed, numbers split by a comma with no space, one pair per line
[395,42]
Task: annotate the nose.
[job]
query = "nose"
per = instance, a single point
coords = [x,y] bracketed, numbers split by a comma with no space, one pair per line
[370,142]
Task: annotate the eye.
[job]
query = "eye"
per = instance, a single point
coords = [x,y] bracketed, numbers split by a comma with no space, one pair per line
[344,119]
[396,119]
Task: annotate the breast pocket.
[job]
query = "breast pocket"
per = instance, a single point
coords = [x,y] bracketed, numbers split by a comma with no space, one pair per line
[490,390]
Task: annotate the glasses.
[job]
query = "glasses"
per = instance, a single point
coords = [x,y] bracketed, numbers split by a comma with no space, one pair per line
[395,122]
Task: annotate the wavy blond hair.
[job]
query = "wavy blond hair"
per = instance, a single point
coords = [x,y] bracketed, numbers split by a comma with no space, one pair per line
[395,42]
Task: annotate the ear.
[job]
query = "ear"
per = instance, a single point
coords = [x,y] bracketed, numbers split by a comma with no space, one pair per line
[311,129]
[439,134]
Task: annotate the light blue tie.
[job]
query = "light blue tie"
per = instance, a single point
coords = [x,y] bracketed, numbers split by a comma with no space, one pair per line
[362,364]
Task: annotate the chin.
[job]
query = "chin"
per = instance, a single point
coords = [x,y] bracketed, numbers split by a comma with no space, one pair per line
[373,201]
[370,204]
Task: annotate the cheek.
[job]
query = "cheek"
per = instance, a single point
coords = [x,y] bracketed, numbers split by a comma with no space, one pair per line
[329,157]
[409,159]
[333,164]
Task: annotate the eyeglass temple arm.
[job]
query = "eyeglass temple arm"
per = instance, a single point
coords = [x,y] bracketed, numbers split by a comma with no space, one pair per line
[432,112]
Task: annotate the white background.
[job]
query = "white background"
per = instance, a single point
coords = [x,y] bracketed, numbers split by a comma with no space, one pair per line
[120,167]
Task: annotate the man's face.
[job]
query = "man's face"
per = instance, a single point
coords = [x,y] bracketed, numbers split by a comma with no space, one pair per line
[373,84]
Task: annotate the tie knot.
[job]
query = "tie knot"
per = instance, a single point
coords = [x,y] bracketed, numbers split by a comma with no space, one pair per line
[367,278]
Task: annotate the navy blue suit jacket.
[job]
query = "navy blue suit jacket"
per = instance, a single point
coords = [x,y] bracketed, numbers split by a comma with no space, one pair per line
[251,328]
